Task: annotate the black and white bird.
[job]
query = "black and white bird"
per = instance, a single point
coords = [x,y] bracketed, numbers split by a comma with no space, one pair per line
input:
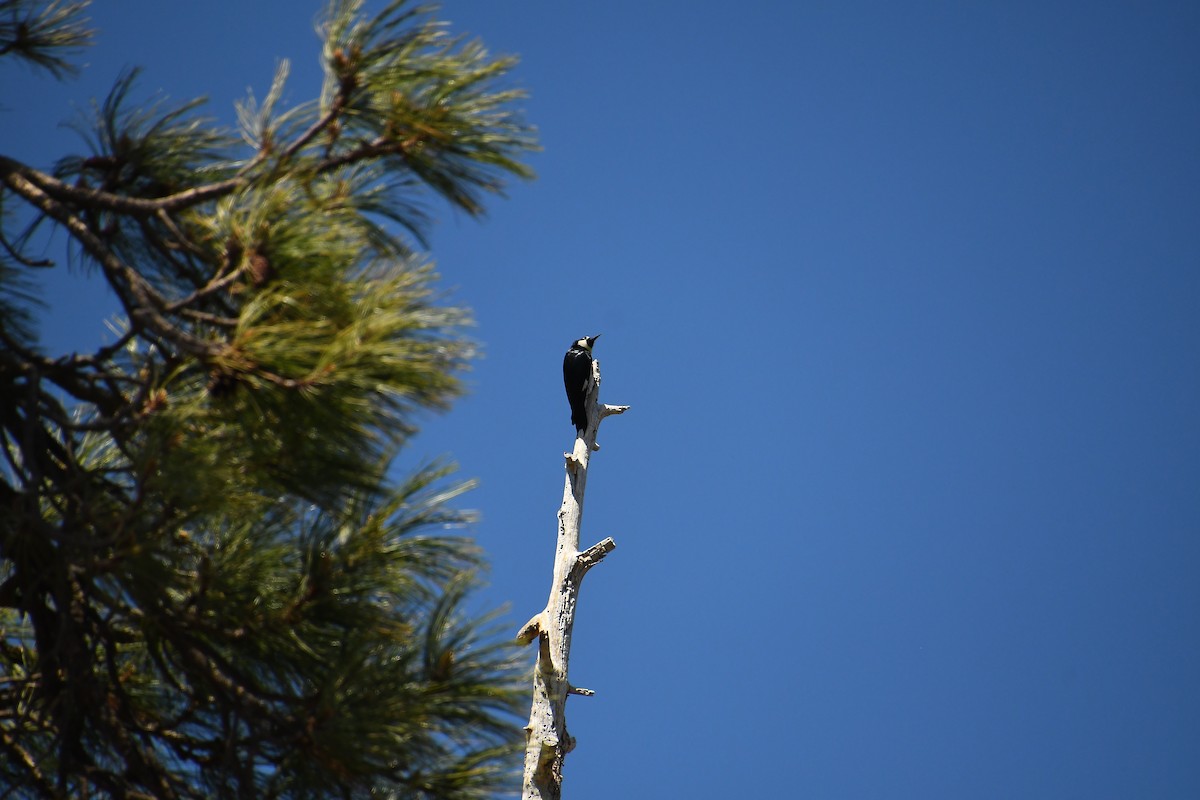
[577,377]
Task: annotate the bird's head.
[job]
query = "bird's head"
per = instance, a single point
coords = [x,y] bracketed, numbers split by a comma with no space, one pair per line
[586,342]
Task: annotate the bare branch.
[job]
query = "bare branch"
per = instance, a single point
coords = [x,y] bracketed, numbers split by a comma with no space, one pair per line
[548,742]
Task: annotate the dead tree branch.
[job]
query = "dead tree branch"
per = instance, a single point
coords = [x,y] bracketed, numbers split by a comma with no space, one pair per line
[547,739]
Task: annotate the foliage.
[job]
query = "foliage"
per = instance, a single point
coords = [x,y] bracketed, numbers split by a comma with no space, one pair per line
[42,34]
[208,585]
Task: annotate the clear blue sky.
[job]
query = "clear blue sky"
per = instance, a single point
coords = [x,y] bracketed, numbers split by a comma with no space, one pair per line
[906,300]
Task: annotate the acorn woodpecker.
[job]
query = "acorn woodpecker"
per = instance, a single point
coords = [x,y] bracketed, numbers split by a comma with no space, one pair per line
[577,377]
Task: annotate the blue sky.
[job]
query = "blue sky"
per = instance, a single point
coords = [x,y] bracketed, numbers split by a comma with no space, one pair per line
[906,300]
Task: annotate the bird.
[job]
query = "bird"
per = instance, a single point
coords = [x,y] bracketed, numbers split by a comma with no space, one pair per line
[577,377]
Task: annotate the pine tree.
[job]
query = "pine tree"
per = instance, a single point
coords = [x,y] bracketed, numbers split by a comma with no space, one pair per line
[209,585]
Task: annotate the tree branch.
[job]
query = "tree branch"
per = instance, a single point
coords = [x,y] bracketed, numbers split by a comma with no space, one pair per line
[97,198]
[27,761]
[547,741]
[147,305]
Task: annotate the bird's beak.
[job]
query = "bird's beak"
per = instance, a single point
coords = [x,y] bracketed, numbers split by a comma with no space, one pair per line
[592,339]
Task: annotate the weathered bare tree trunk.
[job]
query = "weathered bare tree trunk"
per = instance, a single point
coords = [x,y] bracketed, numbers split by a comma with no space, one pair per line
[547,741]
